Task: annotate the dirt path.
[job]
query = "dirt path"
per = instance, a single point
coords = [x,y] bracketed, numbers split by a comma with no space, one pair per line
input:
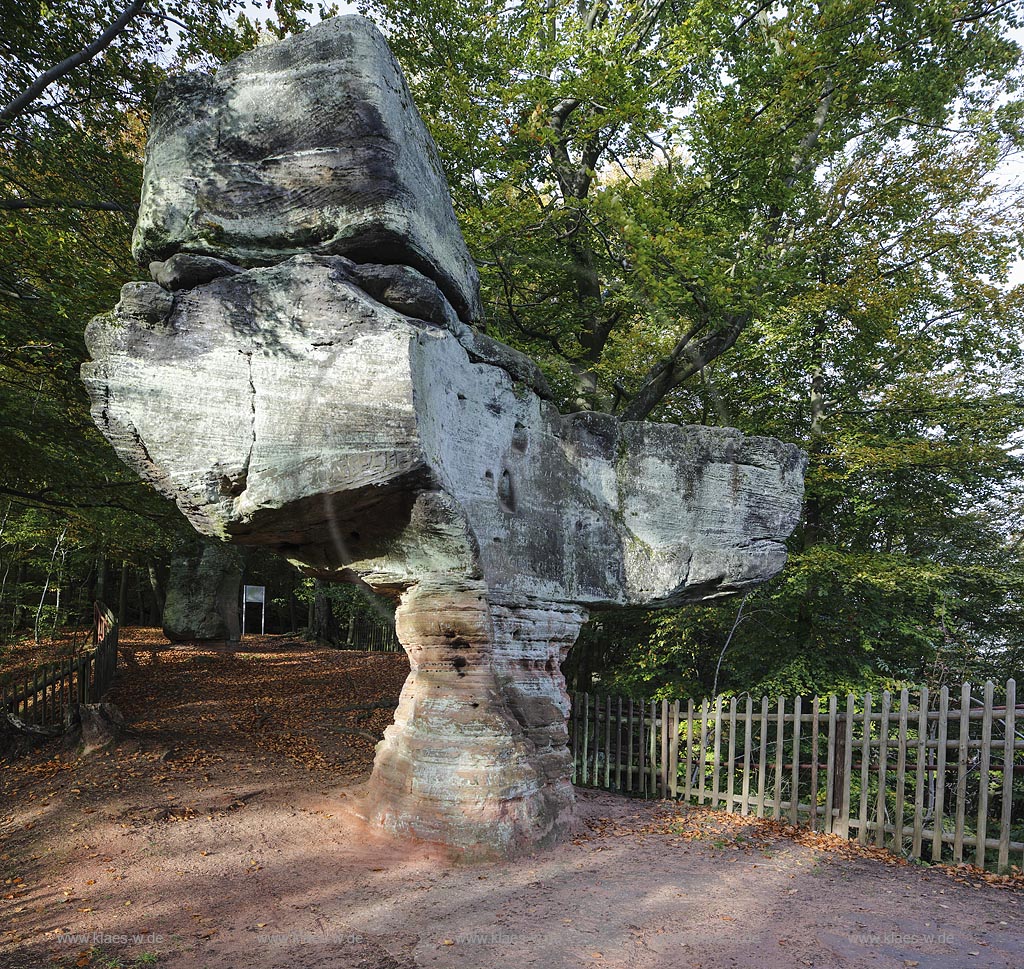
[217,834]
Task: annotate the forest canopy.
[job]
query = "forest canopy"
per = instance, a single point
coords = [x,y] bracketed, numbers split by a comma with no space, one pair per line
[797,219]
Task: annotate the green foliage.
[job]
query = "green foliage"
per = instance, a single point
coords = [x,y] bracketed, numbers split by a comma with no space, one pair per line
[643,183]
[782,217]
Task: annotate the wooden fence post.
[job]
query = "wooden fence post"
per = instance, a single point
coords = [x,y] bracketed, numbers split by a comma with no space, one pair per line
[762,760]
[629,750]
[940,774]
[715,778]
[923,759]
[962,744]
[730,796]
[607,742]
[703,755]
[674,757]
[865,772]
[981,830]
[780,740]
[883,766]
[653,789]
[747,742]
[794,797]
[901,773]
[814,764]
[1009,738]
[687,792]
[618,744]
[665,756]
[586,736]
[832,762]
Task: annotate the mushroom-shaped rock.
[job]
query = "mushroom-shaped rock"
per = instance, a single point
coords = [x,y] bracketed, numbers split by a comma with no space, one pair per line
[340,412]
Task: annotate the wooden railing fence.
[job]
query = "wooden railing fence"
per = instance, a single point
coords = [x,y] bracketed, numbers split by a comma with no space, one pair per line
[372,635]
[930,777]
[44,696]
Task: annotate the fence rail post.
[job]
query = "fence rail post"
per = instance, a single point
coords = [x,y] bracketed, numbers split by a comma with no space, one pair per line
[979,818]
[1009,738]
[983,780]
[865,772]
[901,773]
[962,742]
[794,796]
[883,766]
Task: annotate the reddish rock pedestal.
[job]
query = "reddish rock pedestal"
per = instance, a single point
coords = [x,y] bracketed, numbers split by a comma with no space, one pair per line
[478,755]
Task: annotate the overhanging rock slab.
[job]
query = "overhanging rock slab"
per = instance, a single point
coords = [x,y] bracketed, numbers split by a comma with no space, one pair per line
[341,412]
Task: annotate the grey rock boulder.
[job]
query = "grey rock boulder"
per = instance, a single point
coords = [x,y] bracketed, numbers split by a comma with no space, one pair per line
[285,407]
[187,269]
[145,302]
[203,594]
[312,144]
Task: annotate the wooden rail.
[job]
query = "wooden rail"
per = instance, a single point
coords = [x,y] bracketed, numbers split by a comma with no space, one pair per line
[44,696]
[375,636]
[926,776]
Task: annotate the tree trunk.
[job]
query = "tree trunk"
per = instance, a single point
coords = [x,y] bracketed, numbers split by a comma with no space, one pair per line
[140,600]
[813,512]
[100,589]
[16,597]
[324,627]
[122,594]
[812,506]
[157,608]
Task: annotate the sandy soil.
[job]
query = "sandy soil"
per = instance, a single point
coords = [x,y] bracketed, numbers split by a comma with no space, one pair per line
[216,835]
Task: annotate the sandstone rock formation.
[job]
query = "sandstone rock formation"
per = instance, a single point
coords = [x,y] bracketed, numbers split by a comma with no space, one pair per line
[319,392]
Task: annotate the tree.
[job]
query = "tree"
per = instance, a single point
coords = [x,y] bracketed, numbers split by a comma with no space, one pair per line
[722,117]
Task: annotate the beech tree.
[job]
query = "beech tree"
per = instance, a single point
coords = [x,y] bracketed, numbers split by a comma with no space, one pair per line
[638,179]
[790,218]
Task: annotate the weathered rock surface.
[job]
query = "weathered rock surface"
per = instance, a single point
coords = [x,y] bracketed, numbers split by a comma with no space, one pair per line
[186,269]
[342,414]
[203,594]
[101,724]
[310,145]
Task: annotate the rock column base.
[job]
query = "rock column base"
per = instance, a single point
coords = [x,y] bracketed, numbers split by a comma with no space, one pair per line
[478,756]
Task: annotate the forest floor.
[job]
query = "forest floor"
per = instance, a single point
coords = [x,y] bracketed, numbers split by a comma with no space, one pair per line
[215,835]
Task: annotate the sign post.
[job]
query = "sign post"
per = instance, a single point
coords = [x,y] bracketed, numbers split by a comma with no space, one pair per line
[255,593]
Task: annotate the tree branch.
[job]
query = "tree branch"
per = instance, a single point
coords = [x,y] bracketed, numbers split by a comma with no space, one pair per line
[11,110]
[14,205]
[682,363]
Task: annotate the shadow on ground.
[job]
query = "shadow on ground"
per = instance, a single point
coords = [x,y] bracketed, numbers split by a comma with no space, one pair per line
[216,835]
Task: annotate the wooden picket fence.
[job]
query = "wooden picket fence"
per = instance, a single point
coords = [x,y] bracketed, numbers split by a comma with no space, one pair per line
[372,635]
[923,775]
[44,696]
